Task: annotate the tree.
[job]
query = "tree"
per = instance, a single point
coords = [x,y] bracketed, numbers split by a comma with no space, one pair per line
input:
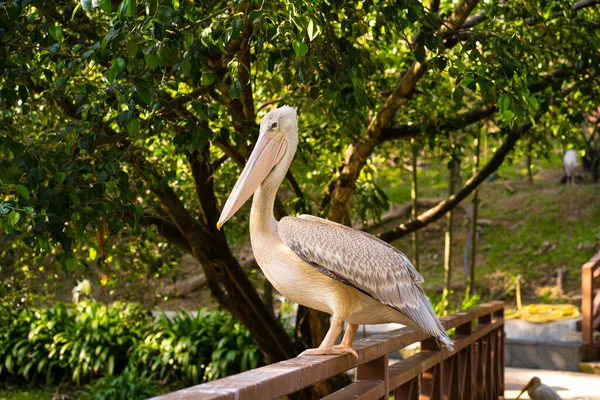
[133,114]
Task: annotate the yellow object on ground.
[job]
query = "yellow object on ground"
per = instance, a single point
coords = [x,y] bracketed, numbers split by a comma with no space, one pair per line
[540,313]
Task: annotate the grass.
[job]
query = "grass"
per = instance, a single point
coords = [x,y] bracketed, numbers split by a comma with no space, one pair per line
[527,230]
[24,393]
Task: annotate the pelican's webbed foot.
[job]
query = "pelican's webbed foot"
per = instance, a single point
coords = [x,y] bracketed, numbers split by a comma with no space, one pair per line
[335,350]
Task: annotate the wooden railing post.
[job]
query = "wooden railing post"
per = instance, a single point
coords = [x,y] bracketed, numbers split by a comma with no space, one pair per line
[376,370]
[465,364]
[500,351]
[587,302]
[409,391]
[432,379]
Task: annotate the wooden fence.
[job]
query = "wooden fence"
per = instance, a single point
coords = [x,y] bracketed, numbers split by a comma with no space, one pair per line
[475,370]
[590,277]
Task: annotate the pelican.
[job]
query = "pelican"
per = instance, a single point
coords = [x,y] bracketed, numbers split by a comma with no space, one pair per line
[538,391]
[320,264]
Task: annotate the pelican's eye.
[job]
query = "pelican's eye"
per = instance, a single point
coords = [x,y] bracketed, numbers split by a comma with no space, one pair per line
[274,125]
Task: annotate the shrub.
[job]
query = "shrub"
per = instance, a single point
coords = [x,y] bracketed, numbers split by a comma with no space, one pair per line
[197,349]
[129,385]
[93,340]
[85,342]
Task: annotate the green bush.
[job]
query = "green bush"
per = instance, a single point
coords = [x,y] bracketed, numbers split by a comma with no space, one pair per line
[129,385]
[85,342]
[92,340]
[208,346]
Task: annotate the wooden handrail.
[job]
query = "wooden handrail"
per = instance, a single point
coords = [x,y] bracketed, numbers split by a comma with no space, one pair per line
[590,272]
[474,370]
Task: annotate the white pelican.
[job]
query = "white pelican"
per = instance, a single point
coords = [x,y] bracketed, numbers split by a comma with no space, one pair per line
[320,264]
[538,391]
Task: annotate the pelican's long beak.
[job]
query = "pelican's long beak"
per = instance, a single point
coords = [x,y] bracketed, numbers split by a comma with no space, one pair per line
[267,153]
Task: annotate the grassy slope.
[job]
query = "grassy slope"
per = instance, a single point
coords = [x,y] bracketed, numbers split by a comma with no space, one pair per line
[513,231]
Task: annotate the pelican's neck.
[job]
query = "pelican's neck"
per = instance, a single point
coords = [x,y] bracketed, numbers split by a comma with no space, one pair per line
[261,214]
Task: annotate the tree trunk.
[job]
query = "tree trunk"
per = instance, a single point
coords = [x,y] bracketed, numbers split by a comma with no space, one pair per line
[268,295]
[448,236]
[226,279]
[473,255]
[415,202]
[529,171]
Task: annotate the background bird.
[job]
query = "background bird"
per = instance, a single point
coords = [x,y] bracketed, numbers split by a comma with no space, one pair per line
[538,391]
[569,164]
[320,264]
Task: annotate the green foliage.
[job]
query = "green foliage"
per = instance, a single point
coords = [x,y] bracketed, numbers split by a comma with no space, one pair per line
[129,384]
[198,348]
[92,340]
[79,344]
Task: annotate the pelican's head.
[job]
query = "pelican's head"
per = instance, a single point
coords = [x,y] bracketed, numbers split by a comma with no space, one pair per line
[534,382]
[278,133]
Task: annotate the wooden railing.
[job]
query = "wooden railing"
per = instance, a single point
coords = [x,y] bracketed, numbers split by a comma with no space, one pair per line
[590,274]
[475,370]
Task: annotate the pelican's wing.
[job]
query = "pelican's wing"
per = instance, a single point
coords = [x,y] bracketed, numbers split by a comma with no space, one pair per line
[365,262]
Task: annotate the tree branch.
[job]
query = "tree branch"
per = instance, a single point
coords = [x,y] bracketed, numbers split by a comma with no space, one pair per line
[358,152]
[482,16]
[440,210]
[199,162]
[460,121]
[194,94]
[168,230]
[469,117]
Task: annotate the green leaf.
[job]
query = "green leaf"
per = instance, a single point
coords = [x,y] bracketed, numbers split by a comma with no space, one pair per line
[151,7]
[151,61]
[77,7]
[14,217]
[75,198]
[458,94]
[188,40]
[132,48]
[86,4]
[420,53]
[208,79]
[186,67]
[105,5]
[508,116]
[71,264]
[503,103]
[235,90]
[167,56]
[313,30]
[119,64]
[60,177]
[23,191]
[111,74]
[300,48]
[133,126]
[146,96]
[57,33]
[127,8]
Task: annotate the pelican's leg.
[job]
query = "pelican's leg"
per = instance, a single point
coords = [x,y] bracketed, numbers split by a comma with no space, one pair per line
[348,340]
[327,345]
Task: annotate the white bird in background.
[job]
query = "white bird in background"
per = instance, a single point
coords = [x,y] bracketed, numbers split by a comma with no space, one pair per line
[538,391]
[320,264]
[569,163]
